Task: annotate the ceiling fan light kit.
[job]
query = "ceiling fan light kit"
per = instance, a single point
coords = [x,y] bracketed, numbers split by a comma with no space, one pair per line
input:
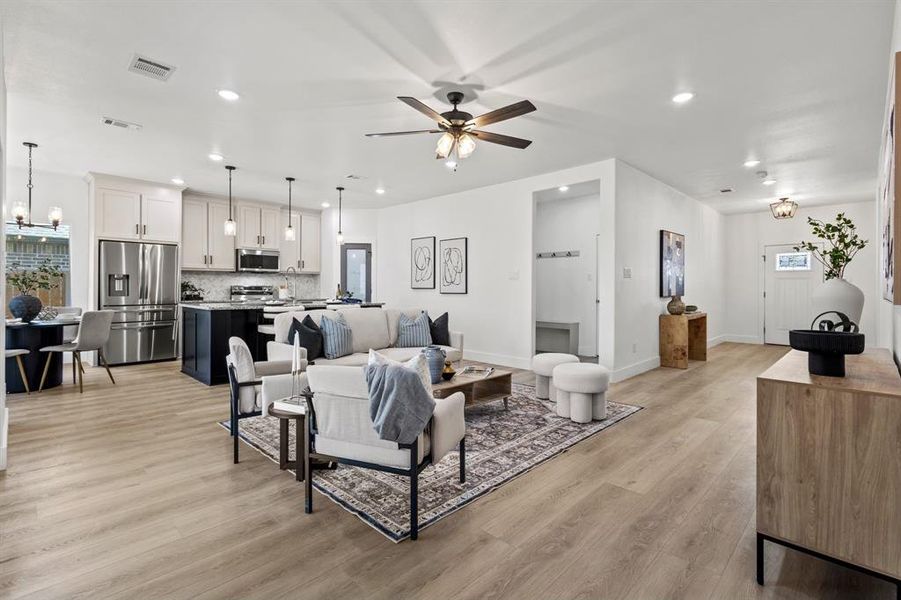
[458,128]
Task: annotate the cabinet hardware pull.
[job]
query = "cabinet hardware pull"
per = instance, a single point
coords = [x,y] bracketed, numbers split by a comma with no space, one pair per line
[145,230]
[137,229]
[204,259]
[264,240]
[211,259]
[303,264]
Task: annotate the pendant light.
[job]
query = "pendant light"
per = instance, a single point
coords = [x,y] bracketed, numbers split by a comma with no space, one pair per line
[22,212]
[289,230]
[231,228]
[784,209]
[340,237]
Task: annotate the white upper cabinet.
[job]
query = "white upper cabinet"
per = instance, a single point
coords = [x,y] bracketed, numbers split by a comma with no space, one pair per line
[309,243]
[221,246]
[118,214]
[194,247]
[126,209]
[269,228]
[205,246]
[160,218]
[248,226]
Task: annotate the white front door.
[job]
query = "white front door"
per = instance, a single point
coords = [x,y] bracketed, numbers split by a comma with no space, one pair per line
[789,280]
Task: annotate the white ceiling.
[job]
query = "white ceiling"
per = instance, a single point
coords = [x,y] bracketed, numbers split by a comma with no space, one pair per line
[799,85]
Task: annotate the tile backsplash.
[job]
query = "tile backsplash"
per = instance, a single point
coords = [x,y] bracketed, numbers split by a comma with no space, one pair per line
[217,286]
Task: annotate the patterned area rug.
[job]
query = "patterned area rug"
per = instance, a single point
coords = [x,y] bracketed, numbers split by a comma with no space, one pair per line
[500,445]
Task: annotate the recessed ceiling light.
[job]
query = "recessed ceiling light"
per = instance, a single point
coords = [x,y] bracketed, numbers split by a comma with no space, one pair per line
[563,188]
[683,97]
[228,95]
[769,181]
[178,181]
[451,164]
[325,205]
[216,157]
[752,163]
[379,191]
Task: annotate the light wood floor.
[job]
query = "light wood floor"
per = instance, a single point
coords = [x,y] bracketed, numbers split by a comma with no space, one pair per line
[130,492]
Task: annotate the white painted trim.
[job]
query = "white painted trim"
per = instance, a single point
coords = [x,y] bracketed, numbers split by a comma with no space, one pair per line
[4,437]
[715,341]
[634,369]
[498,359]
[742,339]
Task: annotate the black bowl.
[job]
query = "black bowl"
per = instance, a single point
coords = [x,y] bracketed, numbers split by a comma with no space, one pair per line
[826,349]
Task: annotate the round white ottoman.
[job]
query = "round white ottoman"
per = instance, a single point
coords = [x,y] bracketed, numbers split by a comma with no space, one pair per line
[543,366]
[581,391]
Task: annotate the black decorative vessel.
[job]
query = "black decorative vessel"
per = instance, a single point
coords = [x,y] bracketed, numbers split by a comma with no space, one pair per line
[827,346]
[25,307]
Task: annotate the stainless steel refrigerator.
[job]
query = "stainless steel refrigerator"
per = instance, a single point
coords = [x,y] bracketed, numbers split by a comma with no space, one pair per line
[139,283]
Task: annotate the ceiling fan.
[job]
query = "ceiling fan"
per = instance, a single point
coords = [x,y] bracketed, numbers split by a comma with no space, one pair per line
[459,127]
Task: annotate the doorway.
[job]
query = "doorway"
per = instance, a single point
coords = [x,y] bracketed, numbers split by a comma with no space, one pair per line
[789,280]
[356,270]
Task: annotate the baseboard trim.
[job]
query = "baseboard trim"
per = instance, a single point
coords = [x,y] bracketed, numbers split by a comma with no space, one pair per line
[634,369]
[716,340]
[498,359]
[741,339]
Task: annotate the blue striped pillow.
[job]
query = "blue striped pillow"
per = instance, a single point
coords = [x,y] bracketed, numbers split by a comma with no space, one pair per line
[413,333]
[336,337]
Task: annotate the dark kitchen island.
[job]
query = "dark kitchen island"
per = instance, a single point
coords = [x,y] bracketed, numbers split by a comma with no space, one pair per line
[206,329]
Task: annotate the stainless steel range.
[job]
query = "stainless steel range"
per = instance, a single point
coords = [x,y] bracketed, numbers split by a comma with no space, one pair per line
[139,283]
[251,293]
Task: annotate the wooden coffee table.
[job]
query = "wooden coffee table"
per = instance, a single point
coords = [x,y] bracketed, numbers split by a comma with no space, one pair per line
[477,388]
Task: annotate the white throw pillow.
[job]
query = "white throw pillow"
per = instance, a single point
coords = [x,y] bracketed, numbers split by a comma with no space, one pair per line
[418,364]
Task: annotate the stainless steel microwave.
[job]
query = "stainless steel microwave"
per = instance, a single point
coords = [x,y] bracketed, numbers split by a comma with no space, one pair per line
[258,261]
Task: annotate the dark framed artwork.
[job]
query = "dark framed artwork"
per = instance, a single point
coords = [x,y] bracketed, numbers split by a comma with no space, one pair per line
[422,263]
[454,265]
[672,264]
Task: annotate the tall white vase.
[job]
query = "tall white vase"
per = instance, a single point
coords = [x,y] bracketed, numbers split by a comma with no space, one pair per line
[838,295]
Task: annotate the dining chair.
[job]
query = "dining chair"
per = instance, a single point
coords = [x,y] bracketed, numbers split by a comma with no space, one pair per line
[70,331]
[93,333]
[18,353]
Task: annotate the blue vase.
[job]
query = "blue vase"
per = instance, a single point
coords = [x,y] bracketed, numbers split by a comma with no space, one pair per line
[435,357]
[25,307]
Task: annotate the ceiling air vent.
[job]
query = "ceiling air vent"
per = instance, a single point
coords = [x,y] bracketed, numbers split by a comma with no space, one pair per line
[120,124]
[355,177]
[726,190]
[150,68]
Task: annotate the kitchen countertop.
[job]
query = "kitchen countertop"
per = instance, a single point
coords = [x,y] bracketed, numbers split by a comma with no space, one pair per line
[205,305]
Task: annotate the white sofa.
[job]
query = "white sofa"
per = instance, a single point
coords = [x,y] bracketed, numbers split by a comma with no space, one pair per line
[372,328]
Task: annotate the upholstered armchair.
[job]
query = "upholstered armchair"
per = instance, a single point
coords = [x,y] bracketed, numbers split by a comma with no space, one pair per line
[245,383]
[340,430]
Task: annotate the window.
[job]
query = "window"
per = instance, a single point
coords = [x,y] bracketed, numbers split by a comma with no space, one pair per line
[793,261]
[27,248]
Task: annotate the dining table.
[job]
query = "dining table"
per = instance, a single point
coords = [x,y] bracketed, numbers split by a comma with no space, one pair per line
[33,336]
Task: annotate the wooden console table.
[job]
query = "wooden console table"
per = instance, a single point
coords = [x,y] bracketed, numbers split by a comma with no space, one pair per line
[828,467]
[682,337]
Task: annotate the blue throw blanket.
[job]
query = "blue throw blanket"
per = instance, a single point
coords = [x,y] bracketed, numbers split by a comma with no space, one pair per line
[399,405]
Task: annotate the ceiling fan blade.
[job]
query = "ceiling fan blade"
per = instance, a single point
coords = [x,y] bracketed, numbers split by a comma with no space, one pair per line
[390,133]
[503,140]
[502,114]
[433,115]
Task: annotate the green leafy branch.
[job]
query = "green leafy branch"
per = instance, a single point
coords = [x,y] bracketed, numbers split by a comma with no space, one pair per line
[46,276]
[842,244]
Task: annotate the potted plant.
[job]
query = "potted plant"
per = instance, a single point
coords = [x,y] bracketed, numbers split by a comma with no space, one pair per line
[840,244]
[27,305]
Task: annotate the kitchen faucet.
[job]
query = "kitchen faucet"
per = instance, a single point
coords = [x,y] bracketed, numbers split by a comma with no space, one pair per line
[294,285]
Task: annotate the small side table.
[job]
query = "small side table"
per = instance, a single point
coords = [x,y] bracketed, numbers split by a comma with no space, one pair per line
[300,423]
[682,337]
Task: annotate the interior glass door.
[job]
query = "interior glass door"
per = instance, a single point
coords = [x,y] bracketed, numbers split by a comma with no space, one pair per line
[356,270]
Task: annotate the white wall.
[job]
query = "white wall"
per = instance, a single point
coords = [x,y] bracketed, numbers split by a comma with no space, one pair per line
[566,287]
[747,234]
[497,314]
[4,413]
[71,194]
[359,226]
[644,206]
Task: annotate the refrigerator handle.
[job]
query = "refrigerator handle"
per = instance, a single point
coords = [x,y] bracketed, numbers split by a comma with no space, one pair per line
[142,291]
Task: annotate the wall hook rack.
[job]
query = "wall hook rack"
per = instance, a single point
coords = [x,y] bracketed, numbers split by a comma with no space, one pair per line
[559,254]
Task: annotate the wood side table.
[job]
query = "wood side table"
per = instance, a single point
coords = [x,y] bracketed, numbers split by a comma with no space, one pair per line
[682,338]
[300,423]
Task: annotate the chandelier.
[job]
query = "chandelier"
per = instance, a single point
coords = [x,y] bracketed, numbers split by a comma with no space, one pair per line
[21,212]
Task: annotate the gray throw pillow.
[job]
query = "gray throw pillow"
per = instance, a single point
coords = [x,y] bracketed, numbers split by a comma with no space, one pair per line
[337,340]
[413,333]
